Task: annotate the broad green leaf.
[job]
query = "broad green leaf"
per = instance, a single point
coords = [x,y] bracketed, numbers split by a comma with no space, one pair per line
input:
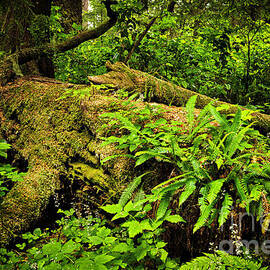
[175,219]
[103,258]
[121,247]
[52,248]
[112,208]
[134,227]
[70,246]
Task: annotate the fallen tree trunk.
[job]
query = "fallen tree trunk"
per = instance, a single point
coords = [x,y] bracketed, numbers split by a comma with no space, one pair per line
[122,77]
[57,136]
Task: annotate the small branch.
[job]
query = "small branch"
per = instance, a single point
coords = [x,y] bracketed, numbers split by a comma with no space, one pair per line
[136,44]
[138,41]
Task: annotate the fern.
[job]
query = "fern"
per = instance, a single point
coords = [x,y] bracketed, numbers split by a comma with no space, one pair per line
[242,189]
[215,187]
[237,120]
[163,205]
[210,195]
[225,209]
[201,263]
[219,118]
[221,260]
[128,192]
[189,189]
[236,140]
[190,106]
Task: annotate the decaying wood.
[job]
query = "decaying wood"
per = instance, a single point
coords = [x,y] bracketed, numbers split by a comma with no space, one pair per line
[122,77]
[58,135]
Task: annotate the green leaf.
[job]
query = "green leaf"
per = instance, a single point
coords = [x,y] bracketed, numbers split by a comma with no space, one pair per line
[121,247]
[143,158]
[128,192]
[70,246]
[190,106]
[189,189]
[219,118]
[175,219]
[236,140]
[141,251]
[95,240]
[163,205]
[215,187]
[51,248]
[103,258]
[134,227]
[164,255]
[112,208]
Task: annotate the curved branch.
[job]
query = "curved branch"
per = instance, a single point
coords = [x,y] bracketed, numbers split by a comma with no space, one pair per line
[21,57]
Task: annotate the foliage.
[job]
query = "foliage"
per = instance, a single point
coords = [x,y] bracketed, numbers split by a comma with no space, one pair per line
[210,158]
[221,58]
[221,260]
[8,174]
[88,243]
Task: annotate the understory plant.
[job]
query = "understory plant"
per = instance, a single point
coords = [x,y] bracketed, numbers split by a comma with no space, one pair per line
[8,174]
[216,158]
[91,243]
[88,243]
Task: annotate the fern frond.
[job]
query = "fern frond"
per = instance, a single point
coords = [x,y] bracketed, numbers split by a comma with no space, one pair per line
[128,192]
[190,106]
[236,140]
[225,209]
[189,189]
[202,220]
[236,121]
[163,205]
[221,260]
[201,263]
[210,195]
[214,189]
[242,189]
[219,118]
[236,262]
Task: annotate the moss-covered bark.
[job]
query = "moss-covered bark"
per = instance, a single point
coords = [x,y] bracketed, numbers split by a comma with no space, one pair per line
[154,89]
[59,137]
[48,132]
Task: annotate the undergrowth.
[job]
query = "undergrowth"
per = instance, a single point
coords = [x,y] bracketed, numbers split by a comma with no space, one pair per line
[220,160]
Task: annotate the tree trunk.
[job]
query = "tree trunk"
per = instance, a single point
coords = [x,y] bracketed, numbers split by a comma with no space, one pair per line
[26,24]
[154,89]
[10,66]
[58,137]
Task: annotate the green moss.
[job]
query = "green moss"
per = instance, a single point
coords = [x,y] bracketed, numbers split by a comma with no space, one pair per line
[89,174]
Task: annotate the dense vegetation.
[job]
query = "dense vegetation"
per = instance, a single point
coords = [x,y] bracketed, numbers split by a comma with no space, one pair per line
[218,163]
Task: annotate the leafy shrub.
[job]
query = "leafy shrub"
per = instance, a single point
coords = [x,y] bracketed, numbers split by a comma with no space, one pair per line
[88,243]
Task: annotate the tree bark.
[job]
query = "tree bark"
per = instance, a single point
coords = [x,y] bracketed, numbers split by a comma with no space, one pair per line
[57,136]
[154,89]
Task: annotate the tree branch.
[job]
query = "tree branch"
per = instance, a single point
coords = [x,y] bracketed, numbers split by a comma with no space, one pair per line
[170,9]
[28,54]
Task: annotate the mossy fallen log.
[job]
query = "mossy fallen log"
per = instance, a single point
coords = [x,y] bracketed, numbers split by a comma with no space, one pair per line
[58,136]
[122,77]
